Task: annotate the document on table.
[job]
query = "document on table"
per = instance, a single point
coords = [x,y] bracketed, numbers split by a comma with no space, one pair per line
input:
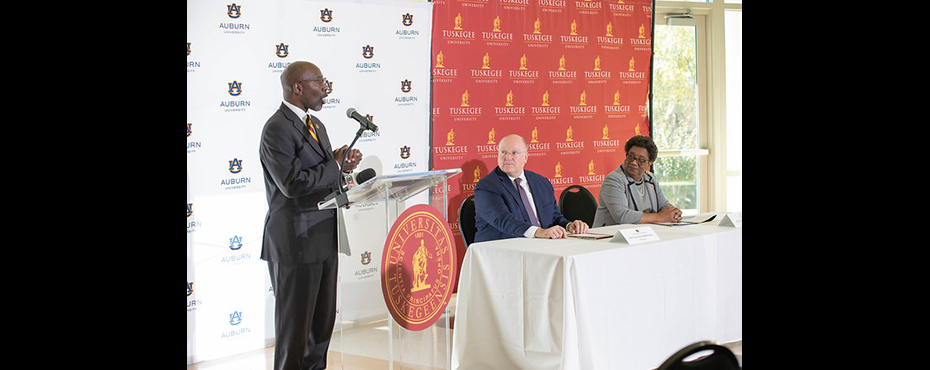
[590,236]
[691,220]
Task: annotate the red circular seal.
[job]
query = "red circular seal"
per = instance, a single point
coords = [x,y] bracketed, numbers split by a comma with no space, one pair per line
[417,267]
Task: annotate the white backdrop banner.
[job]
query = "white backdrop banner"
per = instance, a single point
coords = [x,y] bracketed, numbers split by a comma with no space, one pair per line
[375,55]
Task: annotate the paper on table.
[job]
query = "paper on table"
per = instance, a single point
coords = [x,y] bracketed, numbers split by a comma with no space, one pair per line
[691,220]
[590,236]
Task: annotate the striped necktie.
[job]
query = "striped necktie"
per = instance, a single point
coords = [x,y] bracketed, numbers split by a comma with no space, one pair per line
[310,127]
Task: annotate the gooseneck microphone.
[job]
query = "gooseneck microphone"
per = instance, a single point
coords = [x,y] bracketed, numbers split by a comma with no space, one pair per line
[353,114]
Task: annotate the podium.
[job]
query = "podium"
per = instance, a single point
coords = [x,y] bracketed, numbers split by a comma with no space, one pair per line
[358,340]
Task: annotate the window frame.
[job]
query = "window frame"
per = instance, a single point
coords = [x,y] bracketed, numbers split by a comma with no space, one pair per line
[709,19]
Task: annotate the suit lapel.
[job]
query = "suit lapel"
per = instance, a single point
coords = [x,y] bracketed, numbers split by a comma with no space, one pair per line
[511,189]
[301,127]
[324,146]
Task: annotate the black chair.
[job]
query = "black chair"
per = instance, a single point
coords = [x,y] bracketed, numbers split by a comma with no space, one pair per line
[721,358]
[577,203]
[467,220]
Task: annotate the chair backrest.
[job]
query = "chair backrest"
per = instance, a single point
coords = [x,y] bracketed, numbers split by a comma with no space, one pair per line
[721,358]
[577,203]
[467,220]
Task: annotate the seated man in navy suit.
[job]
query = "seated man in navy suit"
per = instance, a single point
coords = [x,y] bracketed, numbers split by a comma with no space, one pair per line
[501,198]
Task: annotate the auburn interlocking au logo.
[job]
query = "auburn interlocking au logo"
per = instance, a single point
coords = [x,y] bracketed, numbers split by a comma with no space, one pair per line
[417,267]
[234,11]
[407,19]
[235,318]
[368,51]
[326,15]
[405,86]
[281,50]
[366,258]
[235,165]
[235,88]
[404,152]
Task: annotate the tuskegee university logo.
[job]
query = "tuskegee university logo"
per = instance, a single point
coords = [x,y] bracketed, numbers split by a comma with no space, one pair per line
[417,267]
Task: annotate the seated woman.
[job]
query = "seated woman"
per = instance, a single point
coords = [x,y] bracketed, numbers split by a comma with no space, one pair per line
[631,194]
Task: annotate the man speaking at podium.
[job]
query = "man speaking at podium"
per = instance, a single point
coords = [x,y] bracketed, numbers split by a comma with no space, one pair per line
[300,169]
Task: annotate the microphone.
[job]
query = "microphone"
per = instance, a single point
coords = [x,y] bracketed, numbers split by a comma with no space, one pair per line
[365,175]
[353,114]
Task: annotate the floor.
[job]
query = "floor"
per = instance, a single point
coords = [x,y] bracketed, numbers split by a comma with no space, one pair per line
[344,358]
[361,346]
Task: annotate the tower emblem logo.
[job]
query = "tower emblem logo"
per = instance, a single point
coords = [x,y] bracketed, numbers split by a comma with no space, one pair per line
[418,267]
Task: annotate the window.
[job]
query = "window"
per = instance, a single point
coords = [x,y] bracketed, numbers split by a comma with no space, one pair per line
[734,46]
[676,110]
[697,104]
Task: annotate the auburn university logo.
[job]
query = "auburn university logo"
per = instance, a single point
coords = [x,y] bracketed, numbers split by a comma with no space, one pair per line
[234,11]
[235,88]
[417,267]
[326,15]
[281,50]
[235,165]
[405,86]
[404,152]
[188,49]
[366,258]
[329,86]
[368,51]
[235,318]
[407,19]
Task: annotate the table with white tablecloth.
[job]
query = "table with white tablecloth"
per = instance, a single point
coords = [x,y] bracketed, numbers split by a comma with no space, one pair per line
[594,304]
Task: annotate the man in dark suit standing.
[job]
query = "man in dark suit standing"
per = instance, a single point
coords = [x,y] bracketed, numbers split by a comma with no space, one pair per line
[512,202]
[300,168]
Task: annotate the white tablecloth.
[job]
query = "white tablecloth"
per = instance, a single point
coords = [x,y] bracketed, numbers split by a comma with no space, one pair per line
[582,304]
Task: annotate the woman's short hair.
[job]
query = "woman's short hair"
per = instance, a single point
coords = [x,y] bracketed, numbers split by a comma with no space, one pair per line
[644,142]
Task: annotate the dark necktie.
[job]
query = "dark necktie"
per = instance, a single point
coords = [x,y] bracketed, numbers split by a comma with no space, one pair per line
[526,203]
[310,127]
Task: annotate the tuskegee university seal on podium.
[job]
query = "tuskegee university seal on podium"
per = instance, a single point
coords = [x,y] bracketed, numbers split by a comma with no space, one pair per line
[417,267]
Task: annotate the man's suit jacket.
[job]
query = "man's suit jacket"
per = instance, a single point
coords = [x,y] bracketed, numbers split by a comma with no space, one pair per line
[299,172]
[499,211]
